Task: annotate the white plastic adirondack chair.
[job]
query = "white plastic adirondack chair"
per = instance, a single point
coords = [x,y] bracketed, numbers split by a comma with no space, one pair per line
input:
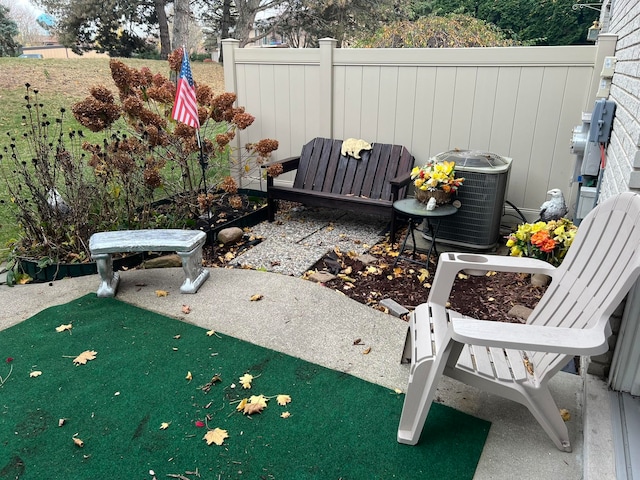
[516,361]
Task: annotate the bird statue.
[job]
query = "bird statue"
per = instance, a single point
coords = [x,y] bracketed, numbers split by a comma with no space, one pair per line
[555,208]
[57,203]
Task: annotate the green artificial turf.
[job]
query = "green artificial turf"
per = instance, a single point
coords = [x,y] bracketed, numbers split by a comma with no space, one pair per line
[339,426]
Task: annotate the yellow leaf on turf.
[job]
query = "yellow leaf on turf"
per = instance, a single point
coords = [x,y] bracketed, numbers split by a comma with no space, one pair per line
[35,373]
[210,333]
[217,436]
[246,380]
[256,404]
[63,327]
[242,404]
[78,442]
[283,399]
[84,357]
[164,425]
[285,415]
[189,376]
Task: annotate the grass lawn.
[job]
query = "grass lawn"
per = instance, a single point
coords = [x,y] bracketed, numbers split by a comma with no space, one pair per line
[61,83]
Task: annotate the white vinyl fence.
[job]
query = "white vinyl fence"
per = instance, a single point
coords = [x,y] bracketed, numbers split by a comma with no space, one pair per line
[519,102]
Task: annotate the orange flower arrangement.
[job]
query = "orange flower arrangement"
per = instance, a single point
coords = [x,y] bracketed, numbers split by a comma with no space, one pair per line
[547,241]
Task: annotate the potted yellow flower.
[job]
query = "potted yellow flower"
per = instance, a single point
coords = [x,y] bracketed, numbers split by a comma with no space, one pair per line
[436,179]
[547,241]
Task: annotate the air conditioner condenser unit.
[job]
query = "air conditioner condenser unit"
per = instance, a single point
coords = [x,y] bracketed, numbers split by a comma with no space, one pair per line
[481,199]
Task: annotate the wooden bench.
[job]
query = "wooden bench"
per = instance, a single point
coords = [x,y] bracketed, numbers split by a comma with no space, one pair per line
[326,178]
[186,243]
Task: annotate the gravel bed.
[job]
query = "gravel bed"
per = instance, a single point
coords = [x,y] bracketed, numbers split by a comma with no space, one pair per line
[301,236]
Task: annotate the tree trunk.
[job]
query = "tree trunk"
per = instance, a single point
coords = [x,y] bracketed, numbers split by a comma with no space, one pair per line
[163,25]
[246,17]
[225,23]
[180,23]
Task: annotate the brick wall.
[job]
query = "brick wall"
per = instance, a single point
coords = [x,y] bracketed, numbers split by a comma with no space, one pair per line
[622,171]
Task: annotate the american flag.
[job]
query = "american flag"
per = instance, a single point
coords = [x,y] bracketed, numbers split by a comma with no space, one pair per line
[185,108]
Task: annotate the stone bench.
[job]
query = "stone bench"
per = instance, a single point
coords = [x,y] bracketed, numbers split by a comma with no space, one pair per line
[186,243]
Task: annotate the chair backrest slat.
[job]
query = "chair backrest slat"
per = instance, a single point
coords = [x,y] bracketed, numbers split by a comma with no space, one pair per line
[601,266]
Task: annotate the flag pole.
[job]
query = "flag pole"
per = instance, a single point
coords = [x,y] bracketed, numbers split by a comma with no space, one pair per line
[203,162]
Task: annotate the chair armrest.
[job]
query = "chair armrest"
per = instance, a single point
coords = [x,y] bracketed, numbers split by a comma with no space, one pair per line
[288,164]
[571,341]
[451,263]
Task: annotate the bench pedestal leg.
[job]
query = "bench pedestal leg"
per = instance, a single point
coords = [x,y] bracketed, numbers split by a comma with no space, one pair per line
[108,278]
[194,272]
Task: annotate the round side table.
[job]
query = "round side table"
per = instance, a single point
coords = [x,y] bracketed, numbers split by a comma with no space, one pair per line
[416,212]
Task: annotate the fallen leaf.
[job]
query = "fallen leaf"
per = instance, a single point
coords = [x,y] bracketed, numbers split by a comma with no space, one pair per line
[164,425]
[398,391]
[565,414]
[257,297]
[189,376]
[84,357]
[256,404]
[424,274]
[246,380]
[78,442]
[217,436]
[283,399]
[211,333]
[186,309]
[23,279]
[285,415]
[366,351]
[61,421]
[462,276]
[63,328]
[490,273]
[357,341]
[528,365]
[347,271]
[161,293]
[242,404]
[215,379]
[35,373]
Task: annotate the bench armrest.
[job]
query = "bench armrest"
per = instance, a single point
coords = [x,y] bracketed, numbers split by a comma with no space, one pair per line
[288,164]
[401,180]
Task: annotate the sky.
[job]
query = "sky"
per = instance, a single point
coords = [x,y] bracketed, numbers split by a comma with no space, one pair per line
[27,4]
